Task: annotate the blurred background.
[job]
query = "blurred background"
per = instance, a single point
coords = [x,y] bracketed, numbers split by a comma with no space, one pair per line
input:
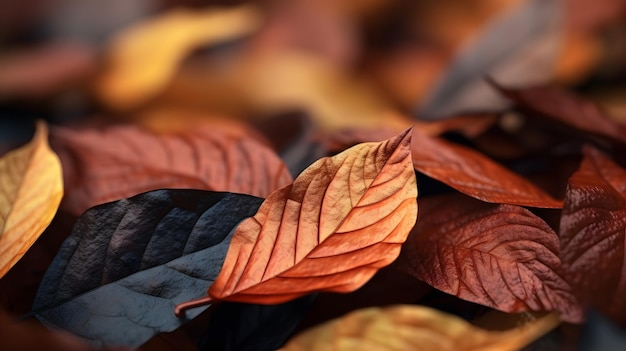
[169,63]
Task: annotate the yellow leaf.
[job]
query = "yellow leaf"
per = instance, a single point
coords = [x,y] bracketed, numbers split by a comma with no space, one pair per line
[31,187]
[144,58]
[414,328]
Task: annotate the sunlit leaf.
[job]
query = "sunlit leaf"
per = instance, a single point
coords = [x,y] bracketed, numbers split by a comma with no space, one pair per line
[593,227]
[144,58]
[340,221]
[474,174]
[108,164]
[406,327]
[500,256]
[31,187]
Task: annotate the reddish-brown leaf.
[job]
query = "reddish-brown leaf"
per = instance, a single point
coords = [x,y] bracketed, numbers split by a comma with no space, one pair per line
[564,107]
[340,221]
[101,165]
[468,125]
[592,231]
[474,174]
[500,256]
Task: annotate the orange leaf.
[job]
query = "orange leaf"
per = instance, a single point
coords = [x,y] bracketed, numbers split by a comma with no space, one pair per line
[31,188]
[474,174]
[144,58]
[407,327]
[117,162]
[340,221]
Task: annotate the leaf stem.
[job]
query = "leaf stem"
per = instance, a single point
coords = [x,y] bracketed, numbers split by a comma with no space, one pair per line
[180,309]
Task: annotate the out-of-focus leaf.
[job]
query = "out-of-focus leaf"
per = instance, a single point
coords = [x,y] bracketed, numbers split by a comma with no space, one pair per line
[238,326]
[144,58]
[592,232]
[248,86]
[340,221]
[599,333]
[566,108]
[501,256]
[117,278]
[473,174]
[469,125]
[30,336]
[406,327]
[518,47]
[31,187]
[107,164]
[44,70]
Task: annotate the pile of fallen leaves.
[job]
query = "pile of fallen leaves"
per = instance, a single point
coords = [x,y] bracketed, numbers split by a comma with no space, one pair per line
[315,175]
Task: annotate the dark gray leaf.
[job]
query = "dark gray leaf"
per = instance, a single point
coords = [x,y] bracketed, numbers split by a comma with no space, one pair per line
[246,327]
[518,48]
[599,333]
[118,276]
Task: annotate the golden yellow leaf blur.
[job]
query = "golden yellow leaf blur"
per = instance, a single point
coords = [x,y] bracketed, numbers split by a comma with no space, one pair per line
[408,327]
[31,187]
[144,58]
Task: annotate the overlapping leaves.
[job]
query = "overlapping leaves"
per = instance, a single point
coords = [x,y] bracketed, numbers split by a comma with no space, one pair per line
[117,278]
[106,164]
[342,219]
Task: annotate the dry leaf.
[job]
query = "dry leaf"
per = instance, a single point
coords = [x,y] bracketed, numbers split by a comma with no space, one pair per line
[407,327]
[44,70]
[473,174]
[593,226]
[519,46]
[340,221]
[31,188]
[144,58]
[566,108]
[469,125]
[500,256]
[102,165]
[249,86]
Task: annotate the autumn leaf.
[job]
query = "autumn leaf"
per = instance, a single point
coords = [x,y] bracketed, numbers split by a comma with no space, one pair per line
[592,231]
[31,187]
[500,256]
[566,108]
[340,221]
[131,79]
[407,327]
[468,125]
[127,263]
[108,164]
[518,46]
[474,174]
[30,336]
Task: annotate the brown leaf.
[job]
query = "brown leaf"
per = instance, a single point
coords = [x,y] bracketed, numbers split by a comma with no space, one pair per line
[106,164]
[500,256]
[30,192]
[406,327]
[45,69]
[468,125]
[566,108]
[592,231]
[474,174]
[340,221]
